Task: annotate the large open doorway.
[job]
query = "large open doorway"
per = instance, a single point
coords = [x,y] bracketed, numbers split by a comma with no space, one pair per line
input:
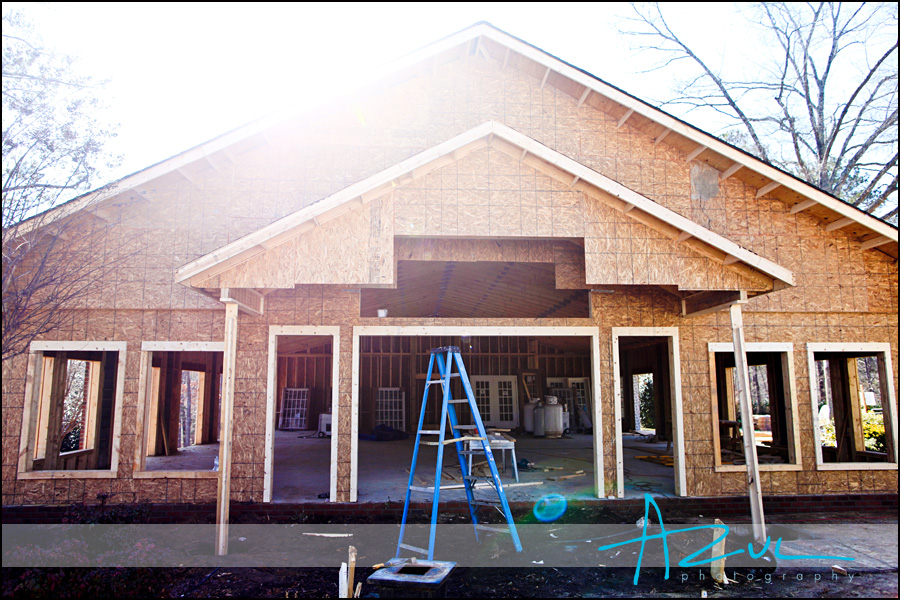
[300,434]
[508,368]
[649,421]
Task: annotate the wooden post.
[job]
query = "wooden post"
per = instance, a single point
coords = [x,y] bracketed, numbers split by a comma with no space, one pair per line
[55,414]
[743,393]
[856,401]
[223,500]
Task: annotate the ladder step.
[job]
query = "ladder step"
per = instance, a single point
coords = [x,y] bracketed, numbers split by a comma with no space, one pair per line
[460,401]
[414,549]
[454,440]
[430,432]
[492,528]
[430,381]
[466,427]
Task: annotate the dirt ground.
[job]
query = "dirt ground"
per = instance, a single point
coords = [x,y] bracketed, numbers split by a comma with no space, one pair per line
[547,582]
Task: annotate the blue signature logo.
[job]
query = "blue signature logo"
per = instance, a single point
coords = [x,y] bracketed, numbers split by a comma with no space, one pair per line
[689,561]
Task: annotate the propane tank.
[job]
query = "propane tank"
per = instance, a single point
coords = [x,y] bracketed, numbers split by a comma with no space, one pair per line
[553,417]
[539,419]
[529,415]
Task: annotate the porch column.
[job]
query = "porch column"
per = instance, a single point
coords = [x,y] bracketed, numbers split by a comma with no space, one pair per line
[743,394]
[223,502]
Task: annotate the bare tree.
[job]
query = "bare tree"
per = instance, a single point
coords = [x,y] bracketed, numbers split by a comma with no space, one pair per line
[825,107]
[53,257]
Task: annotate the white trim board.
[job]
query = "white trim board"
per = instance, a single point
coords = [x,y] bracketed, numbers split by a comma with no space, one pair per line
[271,384]
[182,346]
[888,404]
[677,403]
[424,330]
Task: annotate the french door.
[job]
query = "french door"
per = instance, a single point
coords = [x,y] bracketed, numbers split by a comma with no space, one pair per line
[497,400]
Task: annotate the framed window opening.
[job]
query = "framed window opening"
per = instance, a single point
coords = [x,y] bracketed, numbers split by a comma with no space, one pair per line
[179,408]
[773,395]
[853,406]
[73,410]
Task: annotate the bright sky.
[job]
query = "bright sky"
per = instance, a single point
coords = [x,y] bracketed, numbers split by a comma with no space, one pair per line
[184,73]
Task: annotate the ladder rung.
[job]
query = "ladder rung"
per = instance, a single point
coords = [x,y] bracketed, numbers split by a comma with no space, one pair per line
[441,380]
[464,438]
[413,548]
[460,401]
[493,528]
[466,427]
[430,431]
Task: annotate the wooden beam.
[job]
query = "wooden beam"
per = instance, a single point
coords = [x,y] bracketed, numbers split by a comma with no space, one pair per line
[703,303]
[546,75]
[730,260]
[628,208]
[574,181]
[767,188]
[875,242]
[730,171]
[661,136]
[523,155]
[211,162]
[743,393]
[624,118]
[800,206]
[695,153]
[55,413]
[249,300]
[839,224]
[223,496]
[684,235]
[184,173]
[584,95]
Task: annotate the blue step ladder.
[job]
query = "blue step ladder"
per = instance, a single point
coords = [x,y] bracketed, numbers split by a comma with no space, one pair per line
[472,435]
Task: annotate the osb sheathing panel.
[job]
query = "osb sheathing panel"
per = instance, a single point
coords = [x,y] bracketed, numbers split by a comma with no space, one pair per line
[355,247]
[621,251]
[488,193]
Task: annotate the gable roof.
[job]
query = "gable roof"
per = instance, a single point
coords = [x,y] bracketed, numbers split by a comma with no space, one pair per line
[578,176]
[485,39]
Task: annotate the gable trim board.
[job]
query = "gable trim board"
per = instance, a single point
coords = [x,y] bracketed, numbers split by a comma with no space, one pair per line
[510,141]
[429,56]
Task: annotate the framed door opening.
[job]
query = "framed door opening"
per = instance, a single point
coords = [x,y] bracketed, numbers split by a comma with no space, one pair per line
[650,455]
[301,401]
[506,367]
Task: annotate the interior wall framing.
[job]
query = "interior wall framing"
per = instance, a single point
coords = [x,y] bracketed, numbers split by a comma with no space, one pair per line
[889,403]
[677,403]
[272,389]
[477,331]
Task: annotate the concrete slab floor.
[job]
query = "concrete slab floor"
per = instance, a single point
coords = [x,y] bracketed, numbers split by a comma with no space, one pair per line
[302,468]
[192,458]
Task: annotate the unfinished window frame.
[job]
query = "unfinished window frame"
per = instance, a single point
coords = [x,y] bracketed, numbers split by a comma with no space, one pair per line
[886,377]
[334,332]
[791,403]
[677,403]
[31,409]
[474,331]
[147,394]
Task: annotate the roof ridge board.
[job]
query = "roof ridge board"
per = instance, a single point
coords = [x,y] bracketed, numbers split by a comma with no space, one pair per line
[747,155]
[308,213]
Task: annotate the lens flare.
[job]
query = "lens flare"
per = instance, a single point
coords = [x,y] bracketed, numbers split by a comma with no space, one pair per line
[550,508]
